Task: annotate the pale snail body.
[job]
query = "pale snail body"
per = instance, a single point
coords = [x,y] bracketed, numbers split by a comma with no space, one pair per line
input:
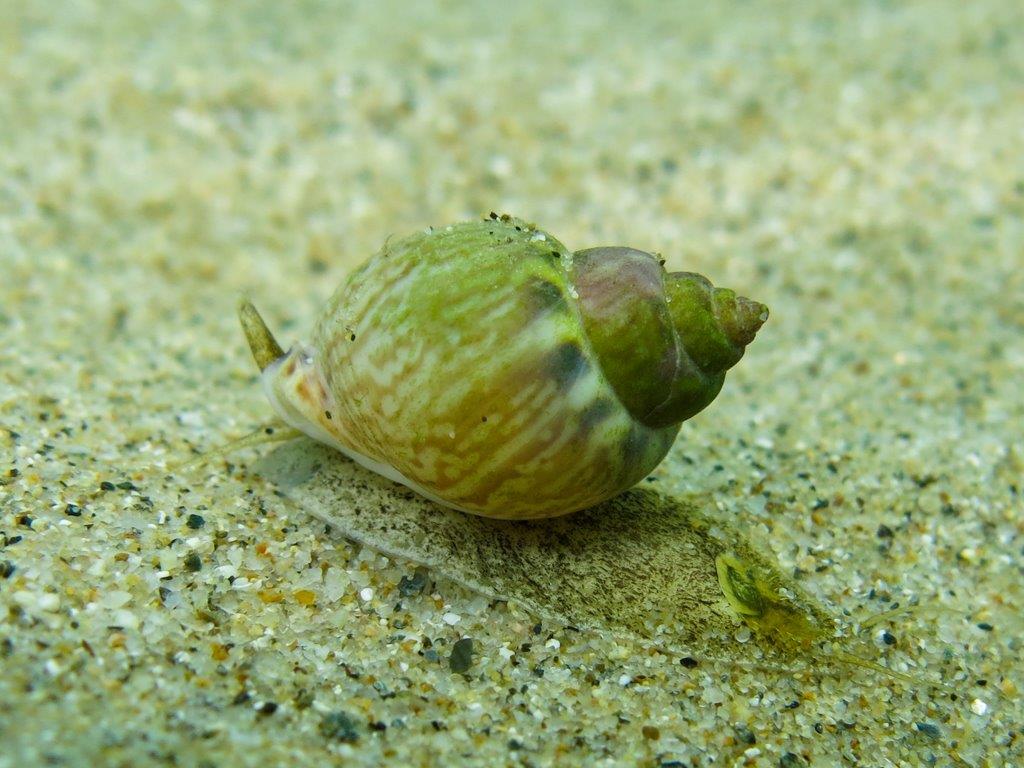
[490,369]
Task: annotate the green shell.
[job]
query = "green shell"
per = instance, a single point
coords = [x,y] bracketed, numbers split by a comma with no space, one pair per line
[489,368]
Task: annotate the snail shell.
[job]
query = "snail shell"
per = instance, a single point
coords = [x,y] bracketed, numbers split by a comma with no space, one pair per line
[492,370]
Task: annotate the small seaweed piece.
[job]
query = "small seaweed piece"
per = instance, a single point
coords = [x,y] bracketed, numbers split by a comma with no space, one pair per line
[755,596]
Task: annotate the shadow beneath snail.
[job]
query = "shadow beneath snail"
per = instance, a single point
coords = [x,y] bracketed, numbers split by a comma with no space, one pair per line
[643,564]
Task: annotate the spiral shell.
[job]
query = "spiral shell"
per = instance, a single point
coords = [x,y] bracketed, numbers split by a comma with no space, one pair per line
[490,369]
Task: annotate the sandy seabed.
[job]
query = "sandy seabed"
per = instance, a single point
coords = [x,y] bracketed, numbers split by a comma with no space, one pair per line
[856,166]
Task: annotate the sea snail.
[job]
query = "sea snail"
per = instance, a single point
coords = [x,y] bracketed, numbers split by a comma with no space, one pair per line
[490,369]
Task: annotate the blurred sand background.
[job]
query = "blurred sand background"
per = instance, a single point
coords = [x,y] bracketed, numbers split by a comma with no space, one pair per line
[856,166]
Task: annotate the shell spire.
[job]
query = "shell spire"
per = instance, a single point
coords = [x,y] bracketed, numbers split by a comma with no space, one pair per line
[664,341]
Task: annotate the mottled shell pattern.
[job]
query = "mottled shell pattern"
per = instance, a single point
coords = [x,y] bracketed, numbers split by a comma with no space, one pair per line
[492,370]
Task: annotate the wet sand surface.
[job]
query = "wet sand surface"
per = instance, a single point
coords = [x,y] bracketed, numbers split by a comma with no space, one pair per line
[856,167]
